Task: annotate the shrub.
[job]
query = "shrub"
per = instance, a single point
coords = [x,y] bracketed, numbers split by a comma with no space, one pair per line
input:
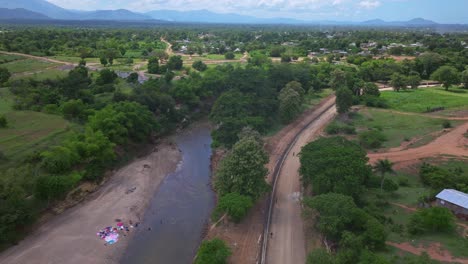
[337,128]
[403,182]
[372,139]
[435,219]
[213,252]
[235,205]
[229,55]
[446,124]
[374,101]
[51,109]
[51,187]
[59,159]
[199,66]
[3,121]
[320,256]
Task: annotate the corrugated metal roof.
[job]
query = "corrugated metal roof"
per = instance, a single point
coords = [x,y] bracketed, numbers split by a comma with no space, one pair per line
[455,197]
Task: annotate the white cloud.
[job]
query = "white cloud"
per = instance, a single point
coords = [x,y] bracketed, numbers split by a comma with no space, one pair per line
[369,4]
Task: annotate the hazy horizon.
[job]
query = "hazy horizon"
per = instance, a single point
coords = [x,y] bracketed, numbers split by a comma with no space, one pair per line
[311,10]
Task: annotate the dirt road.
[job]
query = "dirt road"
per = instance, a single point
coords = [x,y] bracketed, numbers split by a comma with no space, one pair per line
[168,47]
[286,242]
[36,57]
[71,237]
[453,143]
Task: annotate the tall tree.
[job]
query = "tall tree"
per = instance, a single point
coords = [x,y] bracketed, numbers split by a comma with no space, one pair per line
[447,75]
[344,100]
[153,65]
[4,75]
[464,78]
[290,104]
[398,82]
[383,167]
[243,170]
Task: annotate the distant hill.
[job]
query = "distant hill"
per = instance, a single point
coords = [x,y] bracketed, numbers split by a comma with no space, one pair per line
[205,16]
[412,22]
[20,13]
[39,6]
[56,12]
[49,10]
[120,15]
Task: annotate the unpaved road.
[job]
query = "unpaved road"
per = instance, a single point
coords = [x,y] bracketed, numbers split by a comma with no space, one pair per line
[36,57]
[71,237]
[453,143]
[286,242]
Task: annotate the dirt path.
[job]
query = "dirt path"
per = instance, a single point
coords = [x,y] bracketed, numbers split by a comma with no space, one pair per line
[435,251]
[287,242]
[169,50]
[452,143]
[71,237]
[36,57]
[422,115]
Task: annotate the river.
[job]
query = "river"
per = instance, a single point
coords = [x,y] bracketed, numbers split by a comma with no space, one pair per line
[180,209]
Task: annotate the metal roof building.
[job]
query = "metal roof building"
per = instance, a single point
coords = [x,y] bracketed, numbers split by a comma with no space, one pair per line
[454,200]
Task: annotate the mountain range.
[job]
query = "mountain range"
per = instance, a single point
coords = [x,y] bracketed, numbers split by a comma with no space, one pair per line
[41,9]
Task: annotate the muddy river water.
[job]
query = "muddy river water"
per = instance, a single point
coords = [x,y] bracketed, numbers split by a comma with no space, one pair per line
[179,211]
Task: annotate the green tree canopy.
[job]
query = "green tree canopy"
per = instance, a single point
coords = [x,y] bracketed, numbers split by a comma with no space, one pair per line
[199,66]
[344,100]
[4,75]
[447,75]
[175,63]
[213,251]
[235,205]
[153,65]
[243,170]
[334,164]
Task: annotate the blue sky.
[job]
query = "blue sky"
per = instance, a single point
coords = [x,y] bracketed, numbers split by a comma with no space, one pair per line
[443,11]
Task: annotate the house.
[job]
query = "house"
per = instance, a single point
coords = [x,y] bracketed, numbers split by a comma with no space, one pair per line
[454,200]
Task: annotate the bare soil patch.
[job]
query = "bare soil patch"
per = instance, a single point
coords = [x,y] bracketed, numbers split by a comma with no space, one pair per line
[434,250]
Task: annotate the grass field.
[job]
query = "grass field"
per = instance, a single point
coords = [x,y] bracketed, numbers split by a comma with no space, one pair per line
[28,131]
[27,65]
[420,99]
[398,127]
[46,74]
[5,58]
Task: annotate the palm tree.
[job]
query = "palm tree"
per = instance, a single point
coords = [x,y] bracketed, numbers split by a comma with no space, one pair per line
[383,167]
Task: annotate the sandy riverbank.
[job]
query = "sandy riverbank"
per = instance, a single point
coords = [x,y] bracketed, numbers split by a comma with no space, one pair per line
[71,236]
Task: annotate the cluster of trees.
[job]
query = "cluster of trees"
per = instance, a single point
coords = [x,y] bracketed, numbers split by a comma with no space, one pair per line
[213,251]
[240,178]
[434,219]
[337,172]
[439,178]
[4,75]
[175,63]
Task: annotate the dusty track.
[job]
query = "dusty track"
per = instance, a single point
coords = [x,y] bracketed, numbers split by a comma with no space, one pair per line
[36,57]
[452,143]
[71,237]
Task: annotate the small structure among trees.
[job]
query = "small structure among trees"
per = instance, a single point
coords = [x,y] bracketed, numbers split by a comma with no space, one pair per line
[454,200]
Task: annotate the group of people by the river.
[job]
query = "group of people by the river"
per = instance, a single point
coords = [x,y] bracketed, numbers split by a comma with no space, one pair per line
[111,234]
